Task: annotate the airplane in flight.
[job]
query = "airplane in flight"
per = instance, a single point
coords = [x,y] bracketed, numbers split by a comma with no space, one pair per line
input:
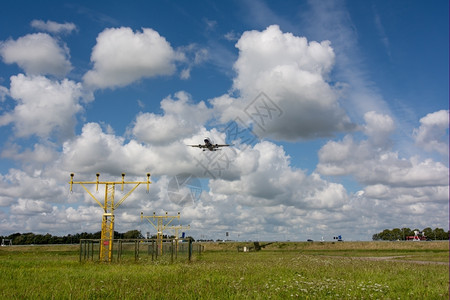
[209,145]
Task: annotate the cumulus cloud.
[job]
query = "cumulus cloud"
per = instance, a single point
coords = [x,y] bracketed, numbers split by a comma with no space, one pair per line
[44,107]
[292,73]
[402,195]
[53,27]
[378,128]
[181,119]
[385,174]
[40,154]
[39,217]
[30,207]
[96,151]
[37,54]
[122,56]
[36,186]
[271,181]
[432,133]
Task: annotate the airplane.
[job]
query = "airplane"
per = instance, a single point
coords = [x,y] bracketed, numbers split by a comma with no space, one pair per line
[209,145]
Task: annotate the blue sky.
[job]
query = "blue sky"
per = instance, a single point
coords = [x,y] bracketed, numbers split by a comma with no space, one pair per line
[341,109]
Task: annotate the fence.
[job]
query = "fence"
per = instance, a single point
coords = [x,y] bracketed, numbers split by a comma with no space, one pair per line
[142,250]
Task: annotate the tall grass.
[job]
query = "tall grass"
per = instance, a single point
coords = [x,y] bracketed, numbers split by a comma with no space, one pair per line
[55,273]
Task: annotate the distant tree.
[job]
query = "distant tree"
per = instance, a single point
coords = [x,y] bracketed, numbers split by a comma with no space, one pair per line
[14,235]
[396,234]
[118,235]
[428,232]
[386,235]
[401,234]
[40,239]
[17,238]
[26,239]
[133,234]
[440,234]
[406,232]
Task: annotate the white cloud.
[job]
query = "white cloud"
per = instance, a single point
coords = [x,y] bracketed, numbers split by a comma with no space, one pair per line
[264,195]
[37,186]
[43,106]
[251,176]
[402,195]
[53,27]
[40,154]
[292,73]
[378,128]
[39,218]
[432,135]
[181,119]
[385,174]
[94,151]
[30,207]
[122,56]
[271,181]
[372,166]
[37,54]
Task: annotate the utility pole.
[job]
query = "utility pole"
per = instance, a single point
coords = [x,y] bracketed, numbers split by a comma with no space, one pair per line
[108,206]
[160,226]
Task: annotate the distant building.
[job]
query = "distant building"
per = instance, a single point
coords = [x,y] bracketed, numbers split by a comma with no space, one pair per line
[418,236]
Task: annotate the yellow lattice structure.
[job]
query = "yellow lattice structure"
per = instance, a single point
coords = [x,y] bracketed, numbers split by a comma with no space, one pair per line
[176,230]
[107,233]
[160,226]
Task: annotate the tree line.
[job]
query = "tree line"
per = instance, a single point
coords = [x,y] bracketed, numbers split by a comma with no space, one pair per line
[403,234]
[41,239]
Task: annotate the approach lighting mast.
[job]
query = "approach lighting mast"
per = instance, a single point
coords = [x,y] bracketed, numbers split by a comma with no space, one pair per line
[108,206]
[177,228]
[160,226]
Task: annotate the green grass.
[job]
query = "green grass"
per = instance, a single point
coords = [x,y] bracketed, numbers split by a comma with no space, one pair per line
[295,270]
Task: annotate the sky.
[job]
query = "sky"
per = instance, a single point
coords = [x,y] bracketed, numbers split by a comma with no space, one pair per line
[337,113]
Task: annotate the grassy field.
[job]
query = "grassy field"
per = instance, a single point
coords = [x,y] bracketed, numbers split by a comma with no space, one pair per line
[347,270]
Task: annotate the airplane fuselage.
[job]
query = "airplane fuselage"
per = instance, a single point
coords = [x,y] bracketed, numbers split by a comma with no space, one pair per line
[209,145]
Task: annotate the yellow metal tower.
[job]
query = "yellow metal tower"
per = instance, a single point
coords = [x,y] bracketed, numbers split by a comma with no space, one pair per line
[107,234]
[160,226]
[177,228]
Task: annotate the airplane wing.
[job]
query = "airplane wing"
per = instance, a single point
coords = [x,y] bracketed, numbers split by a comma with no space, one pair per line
[210,147]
